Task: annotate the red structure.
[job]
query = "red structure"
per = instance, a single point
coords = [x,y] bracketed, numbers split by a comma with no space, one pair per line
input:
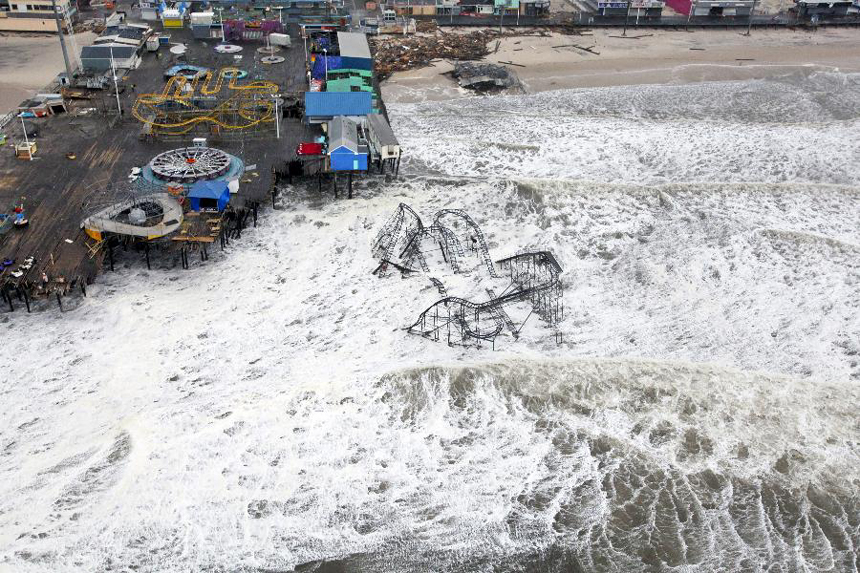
[309,149]
[682,6]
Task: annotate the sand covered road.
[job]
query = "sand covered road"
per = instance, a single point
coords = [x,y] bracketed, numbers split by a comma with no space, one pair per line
[29,62]
[655,57]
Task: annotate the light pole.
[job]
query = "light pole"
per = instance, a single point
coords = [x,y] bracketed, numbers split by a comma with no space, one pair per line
[115,86]
[221,20]
[501,17]
[277,118]
[325,61]
[690,15]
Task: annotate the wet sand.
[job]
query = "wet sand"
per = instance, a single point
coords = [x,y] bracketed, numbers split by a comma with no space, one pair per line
[29,62]
[662,57]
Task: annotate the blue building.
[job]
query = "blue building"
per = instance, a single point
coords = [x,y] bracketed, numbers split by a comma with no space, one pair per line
[345,153]
[209,195]
[354,51]
[321,107]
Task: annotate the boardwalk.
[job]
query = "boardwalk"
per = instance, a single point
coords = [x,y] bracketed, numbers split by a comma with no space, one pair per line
[56,189]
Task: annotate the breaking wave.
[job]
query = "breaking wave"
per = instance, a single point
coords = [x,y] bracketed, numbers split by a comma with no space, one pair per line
[793,128]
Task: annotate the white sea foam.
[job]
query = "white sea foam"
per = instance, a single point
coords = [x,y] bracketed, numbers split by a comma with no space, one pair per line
[794,129]
[266,409]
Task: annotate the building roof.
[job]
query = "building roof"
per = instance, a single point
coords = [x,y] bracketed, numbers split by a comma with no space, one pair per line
[208,190]
[353,45]
[331,104]
[320,63]
[342,132]
[127,32]
[103,51]
[381,130]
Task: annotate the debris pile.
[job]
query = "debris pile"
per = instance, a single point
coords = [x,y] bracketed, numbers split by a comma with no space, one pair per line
[484,77]
[406,53]
[426,26]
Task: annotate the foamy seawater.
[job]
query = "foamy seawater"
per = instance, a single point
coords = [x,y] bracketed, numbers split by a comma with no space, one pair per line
[266,410]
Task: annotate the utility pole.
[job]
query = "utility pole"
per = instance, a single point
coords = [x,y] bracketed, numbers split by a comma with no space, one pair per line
[62,41]
[749,24]
[690,15]
[502,16]
[626,18]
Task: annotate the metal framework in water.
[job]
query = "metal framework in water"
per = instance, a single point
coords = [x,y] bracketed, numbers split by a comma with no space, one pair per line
[534,277]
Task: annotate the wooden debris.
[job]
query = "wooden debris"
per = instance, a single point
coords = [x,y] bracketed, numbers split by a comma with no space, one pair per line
[513,64]
[589,49]
[400,53]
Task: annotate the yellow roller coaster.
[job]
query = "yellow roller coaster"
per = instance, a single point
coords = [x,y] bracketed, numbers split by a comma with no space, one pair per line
[176,110]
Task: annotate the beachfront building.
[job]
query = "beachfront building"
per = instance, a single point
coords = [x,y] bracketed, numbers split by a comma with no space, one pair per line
[534,7]
[322,107]
[808,9]
[477,7]
[354,51]
[123,44]
[645,9]
[382,140]
[346,152]
[36,16]
[412,7]
[447,7]
[713,8]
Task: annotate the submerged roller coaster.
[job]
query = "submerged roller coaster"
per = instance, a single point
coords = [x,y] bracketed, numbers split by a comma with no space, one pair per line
[534,278]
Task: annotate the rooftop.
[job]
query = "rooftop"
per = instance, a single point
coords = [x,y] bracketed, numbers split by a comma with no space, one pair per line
[353,45]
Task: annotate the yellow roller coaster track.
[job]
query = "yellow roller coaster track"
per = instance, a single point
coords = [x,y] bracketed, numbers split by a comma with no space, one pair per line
[252,102]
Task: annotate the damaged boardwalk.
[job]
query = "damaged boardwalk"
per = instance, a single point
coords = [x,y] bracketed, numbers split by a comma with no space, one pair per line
[86,155]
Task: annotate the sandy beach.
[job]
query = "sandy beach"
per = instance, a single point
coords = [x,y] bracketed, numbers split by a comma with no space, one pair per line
[29,62]
[654,57]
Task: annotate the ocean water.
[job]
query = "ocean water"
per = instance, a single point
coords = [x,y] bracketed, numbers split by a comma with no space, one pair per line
[266,410]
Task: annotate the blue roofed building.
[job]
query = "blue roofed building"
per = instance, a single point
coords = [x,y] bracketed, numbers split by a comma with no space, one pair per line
[344,149]
[354,51]
[209,195]
[321,107]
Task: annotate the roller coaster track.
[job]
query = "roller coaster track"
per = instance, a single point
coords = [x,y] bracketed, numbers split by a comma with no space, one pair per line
[253,102]
[466,315]
[395,229]
[503,314]
[477,237]
[448,243]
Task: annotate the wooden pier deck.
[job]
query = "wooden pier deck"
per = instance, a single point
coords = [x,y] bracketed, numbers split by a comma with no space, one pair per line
[56,189]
